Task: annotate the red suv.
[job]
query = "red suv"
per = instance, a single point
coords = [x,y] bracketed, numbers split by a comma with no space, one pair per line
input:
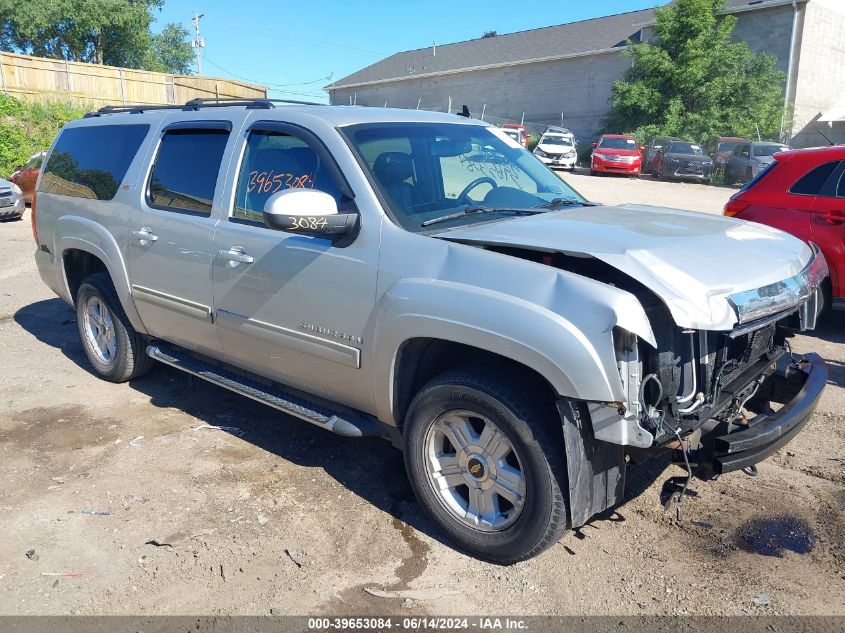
[616,154]
[803,193]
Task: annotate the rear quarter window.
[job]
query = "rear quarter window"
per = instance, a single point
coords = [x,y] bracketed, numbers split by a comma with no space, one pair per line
[91,162]
[812,183]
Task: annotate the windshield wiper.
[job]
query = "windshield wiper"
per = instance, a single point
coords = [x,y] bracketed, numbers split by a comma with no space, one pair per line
[474,210]
[564,202]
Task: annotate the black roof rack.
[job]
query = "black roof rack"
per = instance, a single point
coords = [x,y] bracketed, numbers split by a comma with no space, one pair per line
[199,103]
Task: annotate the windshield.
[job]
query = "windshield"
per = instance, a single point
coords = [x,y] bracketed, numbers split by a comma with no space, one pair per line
[512,133]
[556,140]
[727,146]
[618,143]
[427,170]
[766,150]
[685,148]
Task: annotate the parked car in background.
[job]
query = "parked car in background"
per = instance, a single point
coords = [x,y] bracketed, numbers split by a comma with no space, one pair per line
[11,201]
[616,154]
[518,132]
[652,147]
[683,160]
[725,145]
[803,193]
[25,175]
[557,148]
[747,159]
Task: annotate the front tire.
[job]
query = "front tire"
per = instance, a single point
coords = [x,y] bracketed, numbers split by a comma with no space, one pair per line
[486,462]
[115,350]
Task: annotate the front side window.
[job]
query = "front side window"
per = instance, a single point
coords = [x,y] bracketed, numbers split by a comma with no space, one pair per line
[275,161]
[840,189]
[184,175]
[91,161]
[811,183]
[425,171]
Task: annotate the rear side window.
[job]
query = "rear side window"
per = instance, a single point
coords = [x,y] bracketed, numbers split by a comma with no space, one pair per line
[184,175]
[812,183]
[91,162]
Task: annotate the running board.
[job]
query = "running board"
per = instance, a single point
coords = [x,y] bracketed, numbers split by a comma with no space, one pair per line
[347,424]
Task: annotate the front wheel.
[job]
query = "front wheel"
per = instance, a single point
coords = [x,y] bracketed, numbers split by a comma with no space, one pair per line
[116,351]
[487,464]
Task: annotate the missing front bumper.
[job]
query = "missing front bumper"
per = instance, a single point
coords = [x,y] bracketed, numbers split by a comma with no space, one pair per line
[797,385]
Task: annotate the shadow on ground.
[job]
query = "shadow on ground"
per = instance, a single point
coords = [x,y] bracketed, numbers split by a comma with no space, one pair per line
[379,477]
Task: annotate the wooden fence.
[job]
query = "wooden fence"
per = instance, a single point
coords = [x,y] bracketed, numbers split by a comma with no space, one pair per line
[30,77]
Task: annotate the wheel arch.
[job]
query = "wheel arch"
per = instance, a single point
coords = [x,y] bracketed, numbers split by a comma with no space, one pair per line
[85,247]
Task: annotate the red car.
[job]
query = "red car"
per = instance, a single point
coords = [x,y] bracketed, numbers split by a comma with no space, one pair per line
[803,193]
[25,175]
[616,154]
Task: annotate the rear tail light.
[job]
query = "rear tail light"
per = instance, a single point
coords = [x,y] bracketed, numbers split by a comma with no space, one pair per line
[32,217]
[735,206]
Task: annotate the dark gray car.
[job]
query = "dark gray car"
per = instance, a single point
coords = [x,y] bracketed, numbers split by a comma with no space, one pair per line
[748,159]
[652,148]
[684,161]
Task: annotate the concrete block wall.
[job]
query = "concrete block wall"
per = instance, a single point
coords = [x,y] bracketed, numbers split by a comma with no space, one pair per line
[580,88]
[821,74]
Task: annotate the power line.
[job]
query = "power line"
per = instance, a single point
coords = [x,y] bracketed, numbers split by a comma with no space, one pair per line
[280,87]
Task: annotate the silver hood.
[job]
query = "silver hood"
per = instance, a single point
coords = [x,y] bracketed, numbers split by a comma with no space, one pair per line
[694,262]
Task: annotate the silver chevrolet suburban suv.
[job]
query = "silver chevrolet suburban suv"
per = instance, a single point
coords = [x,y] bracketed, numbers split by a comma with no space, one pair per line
[423,278]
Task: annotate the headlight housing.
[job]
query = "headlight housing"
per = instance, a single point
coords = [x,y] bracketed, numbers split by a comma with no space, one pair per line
[539,152]
[780,296]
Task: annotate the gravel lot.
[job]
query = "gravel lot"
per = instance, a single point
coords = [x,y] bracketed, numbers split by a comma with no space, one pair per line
[279,515]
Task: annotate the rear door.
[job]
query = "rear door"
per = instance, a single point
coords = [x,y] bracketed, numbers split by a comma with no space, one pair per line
[171,230]
[828,227]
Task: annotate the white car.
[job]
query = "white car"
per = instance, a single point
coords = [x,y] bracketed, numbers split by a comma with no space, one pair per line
[557,150]
[11,201]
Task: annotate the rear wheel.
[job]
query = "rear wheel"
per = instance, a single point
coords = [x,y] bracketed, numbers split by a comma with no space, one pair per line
[487,464]
[116,351]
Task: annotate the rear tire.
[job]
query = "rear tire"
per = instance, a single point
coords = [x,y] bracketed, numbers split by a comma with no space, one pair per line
[115,350]
[473,422]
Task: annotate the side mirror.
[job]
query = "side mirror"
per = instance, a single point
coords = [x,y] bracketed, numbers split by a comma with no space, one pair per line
[307,211]
[642,148]
[595,145]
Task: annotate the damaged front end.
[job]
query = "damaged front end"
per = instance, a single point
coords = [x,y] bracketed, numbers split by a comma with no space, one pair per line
[721,401]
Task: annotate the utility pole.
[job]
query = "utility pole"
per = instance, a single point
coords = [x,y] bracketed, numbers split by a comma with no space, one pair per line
[199,43]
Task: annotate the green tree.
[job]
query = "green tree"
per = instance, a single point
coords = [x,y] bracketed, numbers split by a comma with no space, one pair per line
[170,51]
[692,80]
[113,32]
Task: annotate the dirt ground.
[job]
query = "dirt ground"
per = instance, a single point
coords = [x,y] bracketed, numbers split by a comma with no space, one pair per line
[278,515]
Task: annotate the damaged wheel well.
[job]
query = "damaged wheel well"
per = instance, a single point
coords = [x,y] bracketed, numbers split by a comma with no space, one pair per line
[421,359]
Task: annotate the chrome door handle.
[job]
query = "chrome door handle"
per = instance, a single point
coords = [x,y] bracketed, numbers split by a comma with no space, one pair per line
[236,255]
[145,235]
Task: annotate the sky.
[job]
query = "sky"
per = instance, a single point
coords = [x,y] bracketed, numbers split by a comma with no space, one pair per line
[294,48]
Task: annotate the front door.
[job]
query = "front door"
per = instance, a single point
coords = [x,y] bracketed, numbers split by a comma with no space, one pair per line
[294,308]
[170,238]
